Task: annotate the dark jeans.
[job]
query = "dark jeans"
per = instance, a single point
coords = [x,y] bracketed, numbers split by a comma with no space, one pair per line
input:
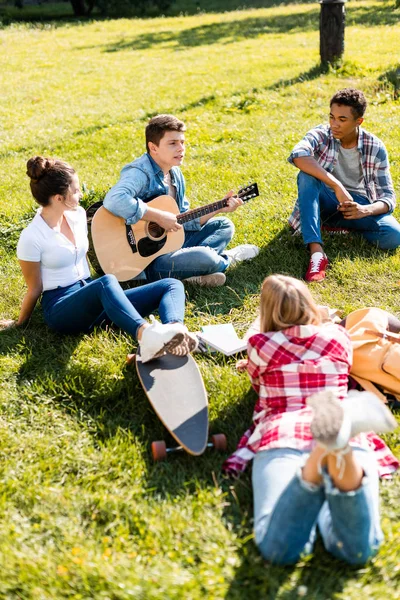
[201,253]
[318,205]
[79,307]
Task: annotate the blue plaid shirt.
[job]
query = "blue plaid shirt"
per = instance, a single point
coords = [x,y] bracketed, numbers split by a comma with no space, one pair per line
[320,143]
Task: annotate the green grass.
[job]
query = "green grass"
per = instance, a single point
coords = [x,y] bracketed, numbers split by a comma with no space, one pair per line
[84,511]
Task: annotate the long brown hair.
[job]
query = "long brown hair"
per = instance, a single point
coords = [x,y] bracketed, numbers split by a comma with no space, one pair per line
[286,301]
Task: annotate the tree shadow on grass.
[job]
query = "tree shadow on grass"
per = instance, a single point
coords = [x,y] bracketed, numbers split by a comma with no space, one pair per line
[371,16]
[60,15]
[228,32]
[391,79]
[313,73]
[192,7]
[225,32]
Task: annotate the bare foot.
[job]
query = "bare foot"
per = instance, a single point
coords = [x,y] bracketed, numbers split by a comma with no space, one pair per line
[241,365]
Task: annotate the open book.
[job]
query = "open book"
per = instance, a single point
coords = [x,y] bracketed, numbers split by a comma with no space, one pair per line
[222,338]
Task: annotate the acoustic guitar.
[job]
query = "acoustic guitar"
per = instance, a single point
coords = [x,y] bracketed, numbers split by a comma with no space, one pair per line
[126,250]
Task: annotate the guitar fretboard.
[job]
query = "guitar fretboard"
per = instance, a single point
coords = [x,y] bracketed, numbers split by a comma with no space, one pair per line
[195,213]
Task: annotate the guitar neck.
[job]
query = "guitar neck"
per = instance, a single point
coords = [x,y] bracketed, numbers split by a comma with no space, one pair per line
[195,213]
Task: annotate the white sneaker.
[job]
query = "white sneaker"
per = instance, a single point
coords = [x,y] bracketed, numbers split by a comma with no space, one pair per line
[241,253]
[334,422]
[157,339]
[211,280]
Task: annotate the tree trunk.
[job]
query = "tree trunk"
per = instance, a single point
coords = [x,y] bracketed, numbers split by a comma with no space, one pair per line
[331,30]
[79,7]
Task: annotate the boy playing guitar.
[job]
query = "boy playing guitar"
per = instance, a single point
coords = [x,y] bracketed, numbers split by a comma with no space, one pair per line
[202,260]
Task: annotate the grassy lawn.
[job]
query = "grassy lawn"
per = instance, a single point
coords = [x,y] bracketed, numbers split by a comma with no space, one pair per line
[84,511]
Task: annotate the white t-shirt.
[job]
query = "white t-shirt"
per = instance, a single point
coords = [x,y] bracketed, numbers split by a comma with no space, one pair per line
[171,187]
[61,263]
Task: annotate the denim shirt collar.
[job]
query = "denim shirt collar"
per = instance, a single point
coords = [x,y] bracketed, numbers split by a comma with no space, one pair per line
[156,167]
[159,172]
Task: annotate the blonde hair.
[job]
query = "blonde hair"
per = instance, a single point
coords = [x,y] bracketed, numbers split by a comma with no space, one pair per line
[286,301]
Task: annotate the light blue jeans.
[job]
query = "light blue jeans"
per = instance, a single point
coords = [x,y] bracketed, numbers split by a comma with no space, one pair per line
[319,206]
[287,510]
[79,307]
[201,253]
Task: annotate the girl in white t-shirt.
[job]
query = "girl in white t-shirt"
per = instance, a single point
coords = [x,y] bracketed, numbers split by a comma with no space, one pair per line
[52,254]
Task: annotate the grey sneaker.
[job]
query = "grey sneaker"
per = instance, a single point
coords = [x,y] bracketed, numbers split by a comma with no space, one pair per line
[241,253]
[211,280]
[334,422]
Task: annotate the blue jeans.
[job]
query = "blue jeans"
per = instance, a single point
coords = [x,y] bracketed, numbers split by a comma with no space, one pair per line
[80,307]
[201,253]
[287,510]
[318,205]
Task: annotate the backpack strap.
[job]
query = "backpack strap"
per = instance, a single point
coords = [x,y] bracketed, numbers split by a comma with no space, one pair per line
[384,336]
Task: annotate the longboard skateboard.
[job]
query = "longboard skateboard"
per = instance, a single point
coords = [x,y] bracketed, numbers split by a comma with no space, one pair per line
[175,389]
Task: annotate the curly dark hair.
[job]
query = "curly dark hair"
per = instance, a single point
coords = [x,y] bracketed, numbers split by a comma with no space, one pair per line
[353,98]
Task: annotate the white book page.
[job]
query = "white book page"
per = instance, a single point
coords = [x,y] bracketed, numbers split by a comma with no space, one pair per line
[223,338]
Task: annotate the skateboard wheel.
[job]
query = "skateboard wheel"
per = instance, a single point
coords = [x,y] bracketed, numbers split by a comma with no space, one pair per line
[159,451]
[219,442]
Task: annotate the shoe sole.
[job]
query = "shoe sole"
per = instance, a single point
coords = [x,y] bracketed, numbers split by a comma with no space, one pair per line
[327,418]
[187,346]
[210,283]
[168,347]
[335,230]
[173,342]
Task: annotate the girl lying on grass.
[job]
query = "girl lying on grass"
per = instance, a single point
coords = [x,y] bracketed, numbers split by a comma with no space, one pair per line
[52,254]
[310,465]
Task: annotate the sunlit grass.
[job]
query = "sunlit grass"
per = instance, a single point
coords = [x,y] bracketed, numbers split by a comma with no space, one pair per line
[85,513]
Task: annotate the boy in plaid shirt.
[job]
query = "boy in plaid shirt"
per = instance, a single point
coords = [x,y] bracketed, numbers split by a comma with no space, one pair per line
[344,182]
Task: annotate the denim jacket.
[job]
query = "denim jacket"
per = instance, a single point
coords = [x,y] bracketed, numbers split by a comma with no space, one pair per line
[141,181]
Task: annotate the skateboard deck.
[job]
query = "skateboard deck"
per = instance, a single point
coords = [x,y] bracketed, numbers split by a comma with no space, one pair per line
[175,389]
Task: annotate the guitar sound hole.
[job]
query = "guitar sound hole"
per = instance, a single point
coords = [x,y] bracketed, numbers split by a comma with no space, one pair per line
[155,232]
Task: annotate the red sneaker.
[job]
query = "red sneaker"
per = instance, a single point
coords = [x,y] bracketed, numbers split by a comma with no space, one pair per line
[317,267]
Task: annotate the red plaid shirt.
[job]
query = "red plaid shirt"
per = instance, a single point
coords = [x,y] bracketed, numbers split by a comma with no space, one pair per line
[285,368]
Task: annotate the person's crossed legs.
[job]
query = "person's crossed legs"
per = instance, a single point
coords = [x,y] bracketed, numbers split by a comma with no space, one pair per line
[202,259]
[318,206]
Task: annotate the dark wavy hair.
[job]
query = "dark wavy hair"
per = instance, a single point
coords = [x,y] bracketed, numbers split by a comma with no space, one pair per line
[353,98]
[157,126]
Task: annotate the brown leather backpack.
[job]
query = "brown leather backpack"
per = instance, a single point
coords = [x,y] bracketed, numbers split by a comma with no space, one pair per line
[376,351]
